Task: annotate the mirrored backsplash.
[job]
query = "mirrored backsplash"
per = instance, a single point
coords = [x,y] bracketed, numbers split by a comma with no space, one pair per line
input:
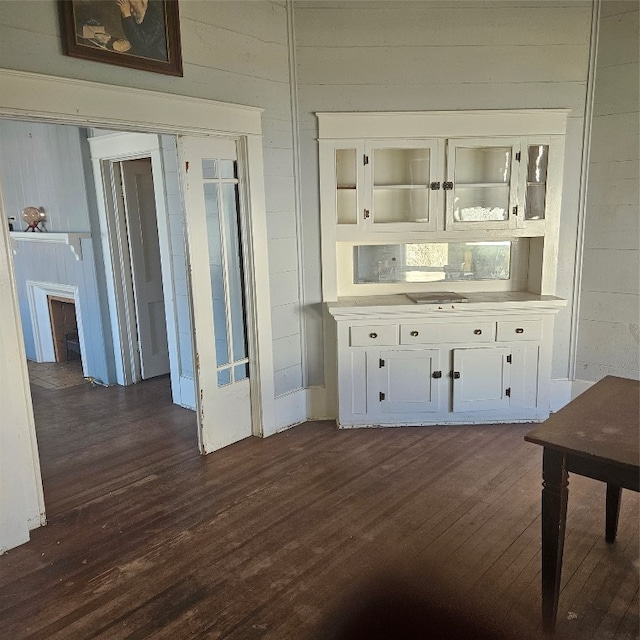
[432,262]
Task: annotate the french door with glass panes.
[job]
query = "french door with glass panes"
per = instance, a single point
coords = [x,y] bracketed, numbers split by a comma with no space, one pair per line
[214,231]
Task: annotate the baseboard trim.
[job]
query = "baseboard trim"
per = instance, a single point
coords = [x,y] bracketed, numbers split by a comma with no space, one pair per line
[312,403]
[580,386]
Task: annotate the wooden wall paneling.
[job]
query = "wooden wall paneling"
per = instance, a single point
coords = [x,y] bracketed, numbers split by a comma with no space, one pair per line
[212,35]
[434,56]
[608,332]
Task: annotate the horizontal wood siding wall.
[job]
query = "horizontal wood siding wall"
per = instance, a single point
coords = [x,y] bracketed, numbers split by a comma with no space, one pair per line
[41,165]
[234,52]
[456,55]
[608,331]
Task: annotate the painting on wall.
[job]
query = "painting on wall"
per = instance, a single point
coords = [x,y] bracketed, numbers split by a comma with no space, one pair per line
[139,34]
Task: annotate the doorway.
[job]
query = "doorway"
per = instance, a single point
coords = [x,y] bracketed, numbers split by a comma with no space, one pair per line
[142,271]
[89,104]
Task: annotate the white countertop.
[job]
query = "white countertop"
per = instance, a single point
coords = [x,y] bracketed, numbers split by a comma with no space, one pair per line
[516,302]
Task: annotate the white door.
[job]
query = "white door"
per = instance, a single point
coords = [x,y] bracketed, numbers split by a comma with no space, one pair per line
[214,233]
[146,271]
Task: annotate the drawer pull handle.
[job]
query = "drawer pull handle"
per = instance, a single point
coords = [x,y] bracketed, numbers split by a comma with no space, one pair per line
[478,332]
[519,330]
[373,334]
[414,333]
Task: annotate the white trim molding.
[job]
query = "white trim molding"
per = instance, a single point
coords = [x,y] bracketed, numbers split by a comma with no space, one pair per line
[94,104]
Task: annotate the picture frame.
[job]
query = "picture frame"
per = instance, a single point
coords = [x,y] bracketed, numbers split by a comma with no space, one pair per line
[137,34]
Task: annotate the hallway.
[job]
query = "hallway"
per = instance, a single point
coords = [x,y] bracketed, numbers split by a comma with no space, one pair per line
[94,440]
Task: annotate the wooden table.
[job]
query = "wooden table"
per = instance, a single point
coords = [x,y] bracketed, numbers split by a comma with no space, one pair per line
[595,435]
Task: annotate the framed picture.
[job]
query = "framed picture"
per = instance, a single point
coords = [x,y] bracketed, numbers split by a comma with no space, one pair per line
[139,34]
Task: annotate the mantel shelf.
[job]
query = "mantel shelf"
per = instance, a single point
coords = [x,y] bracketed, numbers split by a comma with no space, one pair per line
[72,240]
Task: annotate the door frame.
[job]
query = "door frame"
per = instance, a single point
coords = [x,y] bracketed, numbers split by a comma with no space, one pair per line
[83,103]
[106,154]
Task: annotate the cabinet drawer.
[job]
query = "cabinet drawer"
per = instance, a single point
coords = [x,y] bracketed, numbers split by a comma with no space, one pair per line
[386,335]
[516,330]
[442,333]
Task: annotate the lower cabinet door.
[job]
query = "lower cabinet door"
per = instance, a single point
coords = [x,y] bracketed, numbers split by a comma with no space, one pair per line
[481,379]
[407,381]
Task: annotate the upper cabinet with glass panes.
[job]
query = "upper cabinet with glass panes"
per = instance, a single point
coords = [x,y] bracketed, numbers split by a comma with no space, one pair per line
[436,185]
[384,185]
[433,177]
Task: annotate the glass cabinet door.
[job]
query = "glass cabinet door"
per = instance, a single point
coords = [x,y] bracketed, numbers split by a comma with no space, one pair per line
[401,177]
[481,183]
[535,202]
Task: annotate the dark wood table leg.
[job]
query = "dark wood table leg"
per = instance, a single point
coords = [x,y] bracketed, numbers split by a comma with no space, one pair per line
[613,512]
[555,482]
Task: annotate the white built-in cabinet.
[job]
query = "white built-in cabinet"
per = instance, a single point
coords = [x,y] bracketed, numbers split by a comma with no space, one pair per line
[467,202]
[485,360]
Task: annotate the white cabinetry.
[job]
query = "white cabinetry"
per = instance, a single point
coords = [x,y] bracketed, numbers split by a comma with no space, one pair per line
[487,360]
[393,180]
[421,202]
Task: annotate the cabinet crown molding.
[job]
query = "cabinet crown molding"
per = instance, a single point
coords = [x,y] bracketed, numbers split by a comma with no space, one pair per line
[427,124]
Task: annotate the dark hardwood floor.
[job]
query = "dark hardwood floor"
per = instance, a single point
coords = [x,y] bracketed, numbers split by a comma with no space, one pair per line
[299,535]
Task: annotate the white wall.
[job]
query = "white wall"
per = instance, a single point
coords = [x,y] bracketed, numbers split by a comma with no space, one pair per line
[372,55]
[608,330]
[42,165]
[233,52]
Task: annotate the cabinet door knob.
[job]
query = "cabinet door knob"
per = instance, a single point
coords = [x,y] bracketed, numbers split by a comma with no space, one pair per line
[519,330]
[373,334]
[414,333]
[436,374]
[478,332]
[454,374]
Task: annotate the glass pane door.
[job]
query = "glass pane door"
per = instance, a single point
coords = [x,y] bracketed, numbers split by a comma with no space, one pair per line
[213,215]
[401,185]
[536,194]
[481,177]
[226,270]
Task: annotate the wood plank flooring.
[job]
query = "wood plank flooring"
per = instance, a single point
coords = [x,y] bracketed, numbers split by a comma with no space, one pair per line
[311,533]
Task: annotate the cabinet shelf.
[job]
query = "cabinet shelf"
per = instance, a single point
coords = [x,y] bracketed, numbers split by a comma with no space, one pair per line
[380,187]
[481,185]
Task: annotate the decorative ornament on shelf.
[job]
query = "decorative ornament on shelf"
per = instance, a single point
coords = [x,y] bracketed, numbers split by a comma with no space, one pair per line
[34,217]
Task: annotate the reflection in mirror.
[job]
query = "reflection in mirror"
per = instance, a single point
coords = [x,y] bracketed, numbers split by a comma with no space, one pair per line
[432,262]
[537,157]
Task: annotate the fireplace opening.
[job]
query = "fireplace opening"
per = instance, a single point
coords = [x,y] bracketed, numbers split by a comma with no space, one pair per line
[64,328]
